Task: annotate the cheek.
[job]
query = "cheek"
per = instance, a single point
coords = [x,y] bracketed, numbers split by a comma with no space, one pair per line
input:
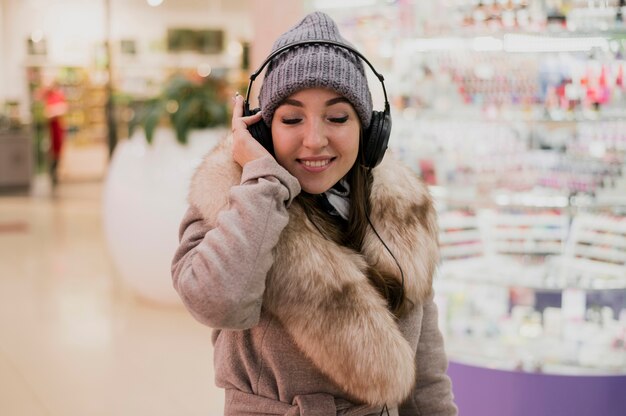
[285,149]
[281,145]
[350,145]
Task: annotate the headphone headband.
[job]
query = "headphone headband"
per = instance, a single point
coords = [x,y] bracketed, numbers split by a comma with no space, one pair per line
[316,42]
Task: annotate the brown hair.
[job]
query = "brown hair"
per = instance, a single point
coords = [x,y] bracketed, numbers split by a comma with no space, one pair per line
[351,234]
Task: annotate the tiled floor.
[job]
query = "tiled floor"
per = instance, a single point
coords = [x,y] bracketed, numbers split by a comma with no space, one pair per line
[73,340]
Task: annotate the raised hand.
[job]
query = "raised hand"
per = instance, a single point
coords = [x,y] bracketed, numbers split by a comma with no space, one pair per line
[245,147]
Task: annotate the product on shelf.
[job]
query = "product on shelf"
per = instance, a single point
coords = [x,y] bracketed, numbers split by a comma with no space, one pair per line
[497,158]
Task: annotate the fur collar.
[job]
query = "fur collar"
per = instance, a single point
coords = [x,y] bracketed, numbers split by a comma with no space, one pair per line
[319,291]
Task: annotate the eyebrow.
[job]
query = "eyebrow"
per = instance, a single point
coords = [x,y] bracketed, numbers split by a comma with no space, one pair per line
[332,101]
[337,100]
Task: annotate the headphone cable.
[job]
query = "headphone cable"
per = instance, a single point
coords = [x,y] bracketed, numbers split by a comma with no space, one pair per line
[367,215]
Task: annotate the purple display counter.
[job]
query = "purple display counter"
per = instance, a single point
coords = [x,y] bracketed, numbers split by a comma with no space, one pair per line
[488,392]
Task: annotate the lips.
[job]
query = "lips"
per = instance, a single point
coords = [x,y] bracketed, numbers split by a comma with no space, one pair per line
[317,164]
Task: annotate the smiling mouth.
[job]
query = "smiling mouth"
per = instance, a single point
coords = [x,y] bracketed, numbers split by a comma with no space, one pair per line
[316,163]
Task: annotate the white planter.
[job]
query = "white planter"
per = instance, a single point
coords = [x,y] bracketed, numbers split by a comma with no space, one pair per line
[145,197]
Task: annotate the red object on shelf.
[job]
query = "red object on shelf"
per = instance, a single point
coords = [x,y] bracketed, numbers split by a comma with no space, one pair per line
[619,80]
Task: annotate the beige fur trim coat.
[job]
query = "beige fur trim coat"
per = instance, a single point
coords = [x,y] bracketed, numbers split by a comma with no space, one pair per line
[248,240]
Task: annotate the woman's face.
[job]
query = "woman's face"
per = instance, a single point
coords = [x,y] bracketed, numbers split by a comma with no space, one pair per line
[316,137]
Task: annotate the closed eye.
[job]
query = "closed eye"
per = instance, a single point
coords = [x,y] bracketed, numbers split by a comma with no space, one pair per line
[291,120]
[338,119]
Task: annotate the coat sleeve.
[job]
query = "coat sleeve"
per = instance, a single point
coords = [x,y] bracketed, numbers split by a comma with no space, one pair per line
[432,394]
[219,270]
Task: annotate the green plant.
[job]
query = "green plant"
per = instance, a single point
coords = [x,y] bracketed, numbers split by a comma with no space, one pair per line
[187,104]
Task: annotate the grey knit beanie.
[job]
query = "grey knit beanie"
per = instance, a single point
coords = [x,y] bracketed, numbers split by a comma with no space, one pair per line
[311,66]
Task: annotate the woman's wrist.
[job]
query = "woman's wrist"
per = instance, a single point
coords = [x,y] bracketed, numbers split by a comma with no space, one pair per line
[268,167]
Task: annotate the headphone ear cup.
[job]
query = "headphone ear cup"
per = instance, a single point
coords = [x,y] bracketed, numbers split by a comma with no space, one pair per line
[259,130]
[377,138]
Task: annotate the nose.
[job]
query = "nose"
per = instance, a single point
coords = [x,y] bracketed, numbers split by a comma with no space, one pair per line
[315,135]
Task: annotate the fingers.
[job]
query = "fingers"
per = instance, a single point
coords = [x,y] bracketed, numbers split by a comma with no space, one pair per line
[239,121]
[238,107]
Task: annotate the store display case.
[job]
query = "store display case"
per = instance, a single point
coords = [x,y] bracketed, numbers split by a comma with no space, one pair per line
[526,133]
[543,307]
[540,312]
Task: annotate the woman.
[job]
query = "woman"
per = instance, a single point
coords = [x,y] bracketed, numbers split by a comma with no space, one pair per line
[314,270]
[55,107]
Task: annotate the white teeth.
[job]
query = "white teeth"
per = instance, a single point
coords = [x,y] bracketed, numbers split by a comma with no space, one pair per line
[316,163]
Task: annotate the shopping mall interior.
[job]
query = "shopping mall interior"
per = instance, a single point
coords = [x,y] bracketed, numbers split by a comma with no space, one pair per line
[513,112]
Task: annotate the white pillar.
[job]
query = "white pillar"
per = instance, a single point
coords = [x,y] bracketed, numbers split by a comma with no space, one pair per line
[270,19]
[13,38]
[3,61]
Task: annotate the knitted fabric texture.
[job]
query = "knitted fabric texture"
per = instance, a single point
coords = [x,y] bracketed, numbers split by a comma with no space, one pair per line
[310,66]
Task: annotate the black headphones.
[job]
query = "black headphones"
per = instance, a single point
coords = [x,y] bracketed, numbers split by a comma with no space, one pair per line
[375,138]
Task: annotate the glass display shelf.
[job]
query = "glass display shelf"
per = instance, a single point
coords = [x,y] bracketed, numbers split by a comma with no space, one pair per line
[557,306]
[533,279]
[538,355]
[571,331]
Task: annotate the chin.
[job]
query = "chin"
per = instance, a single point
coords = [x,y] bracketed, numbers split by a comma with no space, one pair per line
[315,189]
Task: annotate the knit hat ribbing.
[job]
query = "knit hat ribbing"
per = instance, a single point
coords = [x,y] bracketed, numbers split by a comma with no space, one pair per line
[310,66]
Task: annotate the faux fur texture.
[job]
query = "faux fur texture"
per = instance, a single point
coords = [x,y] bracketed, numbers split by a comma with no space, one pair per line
[319,290]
